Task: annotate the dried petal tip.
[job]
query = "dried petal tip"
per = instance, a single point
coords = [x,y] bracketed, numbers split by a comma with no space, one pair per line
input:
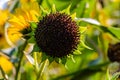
[57,35]
[114,52]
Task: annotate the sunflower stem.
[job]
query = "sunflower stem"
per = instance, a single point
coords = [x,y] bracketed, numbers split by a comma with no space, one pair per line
[21,54]
[42,68]
[3,73]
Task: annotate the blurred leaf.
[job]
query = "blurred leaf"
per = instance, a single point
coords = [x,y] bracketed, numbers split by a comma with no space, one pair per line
[115,76]
[112,30]
[36,62]
[115,31]
[30,59]
[60,4]
[107,75]
[89,20]
[3,73]
[81,74]
[78,6]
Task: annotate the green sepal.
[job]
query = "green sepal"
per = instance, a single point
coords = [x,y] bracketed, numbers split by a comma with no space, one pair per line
[36,48]
[84,45]
[82,29]
[44,57]
[72,58]
[53,9]
[33,25]
[51,59]
[73,16]
[64,60]
[44,12]
[31,40]
[57,60]
[77,52]
[67,10]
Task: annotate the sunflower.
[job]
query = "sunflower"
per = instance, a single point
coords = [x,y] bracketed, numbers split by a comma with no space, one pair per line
[26,1]
[20,20]
[114,52]
[4,16]
[57,35]
[5,63]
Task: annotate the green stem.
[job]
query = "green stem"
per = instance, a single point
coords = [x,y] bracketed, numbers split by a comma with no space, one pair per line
[43,65]
[20,61]
[3,73]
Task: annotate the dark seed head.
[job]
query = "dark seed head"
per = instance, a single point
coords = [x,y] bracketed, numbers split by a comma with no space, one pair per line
[114,52]
[57,35]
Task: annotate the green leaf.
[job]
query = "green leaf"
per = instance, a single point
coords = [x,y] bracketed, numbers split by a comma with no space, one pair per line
[78,6]
[115,31]
[89,20]
[112,30]
[115,76]
[107,75]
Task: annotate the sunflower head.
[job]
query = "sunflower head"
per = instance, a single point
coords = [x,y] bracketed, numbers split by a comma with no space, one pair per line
[114,52]
[20,21]
[57,35]
[3,16]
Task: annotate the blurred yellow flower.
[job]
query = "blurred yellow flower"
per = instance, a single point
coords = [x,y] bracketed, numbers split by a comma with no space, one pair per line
[103,18]
[19,21]
[3,42]
[5,64]
[3,16]
[25,1]
[116,0]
